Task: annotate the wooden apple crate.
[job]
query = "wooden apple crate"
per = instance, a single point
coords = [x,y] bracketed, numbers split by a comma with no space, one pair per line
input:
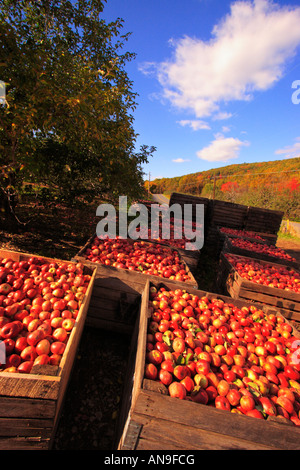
[232,215]
[152,420]
[231,283]
[30,404]
[137,278]
[229,214]
[182,199]
[116,295]
[115,300]
[229,247]
[264,237]
[248,218]
[190,257]
[263,220]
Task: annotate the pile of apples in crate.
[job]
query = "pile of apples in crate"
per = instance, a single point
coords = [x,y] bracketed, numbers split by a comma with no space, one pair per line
[39,304]
[211,352]
[280,277]
[241,233]
[156,236]
[256,247]
[140,256]
[174,235]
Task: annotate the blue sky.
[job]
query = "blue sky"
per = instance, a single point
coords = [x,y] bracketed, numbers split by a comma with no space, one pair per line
[214,80]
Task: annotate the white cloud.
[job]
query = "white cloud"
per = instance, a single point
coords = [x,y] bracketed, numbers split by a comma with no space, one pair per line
[292,151]
[247,52]
[220,116]
[180,160]
[196,125]
[148,68]
[222,149]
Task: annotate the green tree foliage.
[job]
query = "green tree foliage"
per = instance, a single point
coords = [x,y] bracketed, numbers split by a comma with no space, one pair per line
[68,118]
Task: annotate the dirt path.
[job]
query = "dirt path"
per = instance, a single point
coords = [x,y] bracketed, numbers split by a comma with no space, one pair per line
[290,246]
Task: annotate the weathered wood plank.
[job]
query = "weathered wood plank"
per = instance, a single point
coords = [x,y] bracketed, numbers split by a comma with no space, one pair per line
[24,443]
[158,434]
[26,408]
[16,427]
[216,421]
[31,386]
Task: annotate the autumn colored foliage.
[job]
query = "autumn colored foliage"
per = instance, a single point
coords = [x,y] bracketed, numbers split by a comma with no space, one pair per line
[273,185]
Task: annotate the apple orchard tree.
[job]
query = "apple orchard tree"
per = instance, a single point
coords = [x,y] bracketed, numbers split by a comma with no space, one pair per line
[67,122]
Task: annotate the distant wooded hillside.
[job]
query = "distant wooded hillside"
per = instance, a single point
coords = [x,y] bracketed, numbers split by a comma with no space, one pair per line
[273,185]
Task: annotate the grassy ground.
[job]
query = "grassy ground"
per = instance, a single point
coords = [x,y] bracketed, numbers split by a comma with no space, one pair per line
[289,243]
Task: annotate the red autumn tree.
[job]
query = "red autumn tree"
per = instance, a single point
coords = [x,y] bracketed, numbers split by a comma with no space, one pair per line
[229,186]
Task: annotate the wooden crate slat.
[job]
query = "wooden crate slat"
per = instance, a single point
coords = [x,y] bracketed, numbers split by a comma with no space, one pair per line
[26,408]
[269,299]
[186,437]
[24,443]
[31,386]
[106,323]
[15,427]
[110,293]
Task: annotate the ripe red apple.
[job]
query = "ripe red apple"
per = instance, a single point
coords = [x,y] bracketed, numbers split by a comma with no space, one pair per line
[9,330]
[177,390]
[188,383]
[25,367]
[55,359]
[34,337]
[212,393]
[291,373]
[28,354]
[57,348]
[199,395]
[202,366]
[155,357]
[247,403]
[34,324]
[229,376]
[46,328]
[43,347]
[222,403]
[234,396]
[165,377]
[285,403]
[20,344]
[180,371]
[13,360]
[68,324]
[268,406]
[223,388]
[42,359]
[254,413]
[60,334]
[167,364]
[178,345]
